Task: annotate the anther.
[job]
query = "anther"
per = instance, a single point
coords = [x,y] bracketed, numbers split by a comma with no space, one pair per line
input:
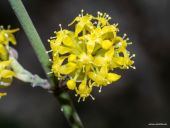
[132,56]
[133,67]
[82,12]
[124,35]
[107,16]
[60,27]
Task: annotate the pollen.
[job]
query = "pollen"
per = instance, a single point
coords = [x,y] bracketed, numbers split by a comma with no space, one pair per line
[86,57]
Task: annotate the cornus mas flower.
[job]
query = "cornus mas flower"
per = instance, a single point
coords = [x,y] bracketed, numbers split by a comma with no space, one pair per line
[6,74]
[86,58]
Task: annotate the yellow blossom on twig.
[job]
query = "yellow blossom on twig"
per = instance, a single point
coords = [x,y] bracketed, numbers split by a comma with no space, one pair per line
[87,57]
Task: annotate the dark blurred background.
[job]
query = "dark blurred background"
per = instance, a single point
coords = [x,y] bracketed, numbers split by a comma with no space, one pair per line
[139,98]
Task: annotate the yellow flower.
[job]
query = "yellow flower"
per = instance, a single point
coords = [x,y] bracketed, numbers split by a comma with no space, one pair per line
[6,74]
[83,90]
[87,57]
[7,36]
[84,23]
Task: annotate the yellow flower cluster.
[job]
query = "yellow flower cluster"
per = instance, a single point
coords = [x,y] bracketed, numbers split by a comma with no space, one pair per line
[6,73]
[87,57]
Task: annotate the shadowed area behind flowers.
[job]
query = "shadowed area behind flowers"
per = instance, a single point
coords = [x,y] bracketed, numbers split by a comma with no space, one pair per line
[138,98]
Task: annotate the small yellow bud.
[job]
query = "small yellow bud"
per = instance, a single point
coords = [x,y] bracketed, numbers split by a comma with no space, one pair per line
[71,84]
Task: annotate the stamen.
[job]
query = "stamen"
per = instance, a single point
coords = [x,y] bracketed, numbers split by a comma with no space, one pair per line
[76,95]
[132,56]
[100,89]
[79,99]
[92,97]
[133,67]
[53,37]
[60,27]
[50,60]
[98,14]
[109,18]
[101,14]
[116,24]
[124,35]
[49,73]
[49,51]
[82,12]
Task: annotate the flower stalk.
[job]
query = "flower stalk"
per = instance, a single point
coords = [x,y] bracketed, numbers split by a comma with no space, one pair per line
[36,42]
